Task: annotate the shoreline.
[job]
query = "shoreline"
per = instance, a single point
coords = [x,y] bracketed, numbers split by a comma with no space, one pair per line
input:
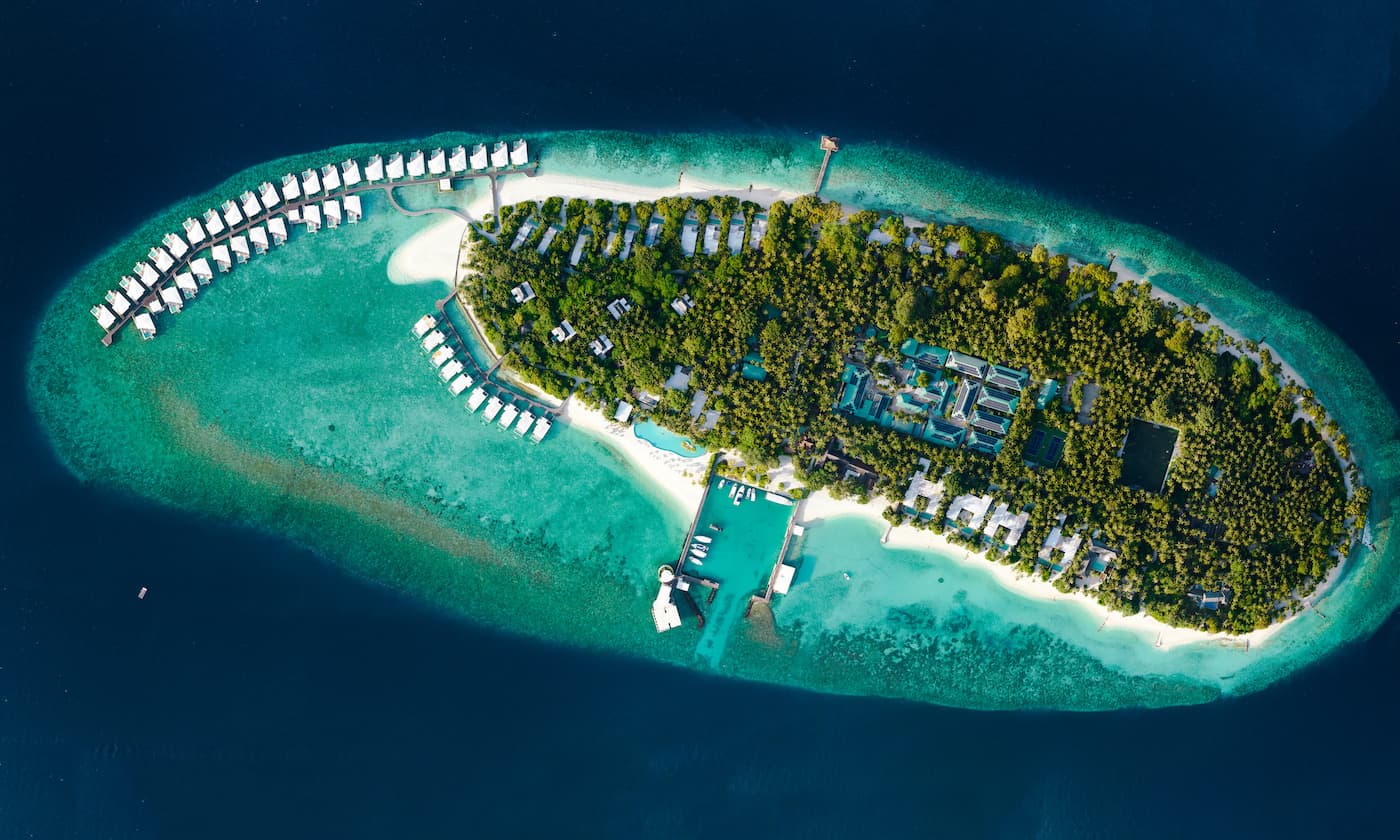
[514,190]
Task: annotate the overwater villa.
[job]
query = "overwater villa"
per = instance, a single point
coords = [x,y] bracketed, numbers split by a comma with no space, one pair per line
[291,187]
[441,356]
[184,281]
[131,288]
[239,246]
[170,297]
[449,372]
[493,407]
[563,332]
[119,302]
[268,195]
[423,325]
[395,166]
[146,325]
[330,177]
[500,155]
[508,415]
[331,207]
[437,161]
[433,340]
[374,169]
[258,236]
[160,257]
[417,164]
[232,215]
[350,172]
[542,427]
[460,384]
[354,210]
[519,153]
[213,223]
[104,316]
[194,232]
[311,217]
[475,399]
[251,208]
[147,275]
[310,182]
[480,159]
[201,270]
[277,229]
[221,256]
[457,161]
[522,426]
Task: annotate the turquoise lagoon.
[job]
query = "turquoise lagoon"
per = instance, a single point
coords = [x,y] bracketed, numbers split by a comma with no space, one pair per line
[290,398]
[667,440]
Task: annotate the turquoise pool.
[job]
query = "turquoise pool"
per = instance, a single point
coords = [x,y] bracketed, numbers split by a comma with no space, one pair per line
[667,440]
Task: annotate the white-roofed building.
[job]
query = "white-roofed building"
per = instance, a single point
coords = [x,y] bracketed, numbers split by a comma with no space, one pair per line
[239,246]
[201,269]
[508,415]
[277,228]
[350,172]
[460,384]
[331,207]
[523,293]
[258,236]
[417,166]
[222,258]
[441,355]
[353,209]
[251,208]
[519,153]
[213,223]
[1002,518]
[500,155]
[311,217]
[968,510]
[175,245]
[171,298]
[147,275]
[232,216]
[423,325]
[291,187]
[437,162]
[579,245]
[457,161]
[194,231]
[783,580]
[623,412]
[563,332]
[542,427]
[618,308]
[450,370]
[293,215]
[601,346]
[330,177]
[479,159]
[104,316]
[395,166]
[120,302]
[433,340]
[132,289]
[310,182]
[374,169]
[268,194]
[444,185]
[146,325]
[523,424]
[1056,541]
[683,304]
[184,281]
[160,257]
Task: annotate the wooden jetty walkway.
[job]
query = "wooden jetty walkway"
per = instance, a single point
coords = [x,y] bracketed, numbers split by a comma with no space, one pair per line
[830,145]
[486,374]
[153,294]
[793,525]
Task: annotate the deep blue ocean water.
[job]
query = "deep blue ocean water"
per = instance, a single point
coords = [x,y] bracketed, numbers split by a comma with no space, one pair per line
[265,693]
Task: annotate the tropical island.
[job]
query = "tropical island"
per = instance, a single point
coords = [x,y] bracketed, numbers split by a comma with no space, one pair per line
[1064,419]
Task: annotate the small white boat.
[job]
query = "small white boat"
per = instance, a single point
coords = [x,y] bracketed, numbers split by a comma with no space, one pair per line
[697,561]
[722,482]
[142,594]
[704,540]
[752,494]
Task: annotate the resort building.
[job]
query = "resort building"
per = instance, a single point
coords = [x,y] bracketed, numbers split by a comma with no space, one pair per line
[523,293]
[475,399]
[618,308]
[985,443]
[712,236]
[423,325]
[194,232]
[547,239]
[239,245]
[689,233]
[119,302]
[760,227]
[232,216]
[221,257]
[628,237]
[104,316]
[184,281]
[653,231]
[374,169]
[997,400]
[160,257]
[310,182]
[944,433]
[624,412]
[202,272]
[1057,543]
[736,233]
[967,365]
[450,370]
[311,217]
[479,158]
[330,177]
[457,162]
[601,346]
[926,356]
[990,423]
[523,234]
[433,340]
[395,166]
[291,188]
[277,229]
[251,208]
[146,325]
[1005,527]
[1206,599]
[782,581]
[147,275]
[1007,379]
[213,223]
[171,298]
[268,194]
[493,407]
[500,155]
[417,165]
[132,289]
[437,161]
[683,304]
[967,511]
[258,236]
[332,210]
[542,427]
[508,415]
[920,487]
[579,245]
[519,153]
[1097,561]
[353,209]
[523,424]
[563,332]
[459,384]
[441,356]
[350,172]
[965,400]
[1048,390]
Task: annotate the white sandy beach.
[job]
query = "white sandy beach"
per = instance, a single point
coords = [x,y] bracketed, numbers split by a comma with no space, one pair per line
[429,256]
[680,478]
[519,188]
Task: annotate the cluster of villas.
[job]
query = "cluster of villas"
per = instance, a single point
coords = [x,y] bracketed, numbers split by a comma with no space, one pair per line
[941,396]
[620,239]
[500,407]
[175,269]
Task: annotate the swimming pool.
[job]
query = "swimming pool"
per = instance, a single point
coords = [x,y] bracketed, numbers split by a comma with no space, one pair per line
[667,440]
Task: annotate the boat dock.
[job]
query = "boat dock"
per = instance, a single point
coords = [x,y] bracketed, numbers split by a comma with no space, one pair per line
[794,529]
[830,145]
[300,204]
[485,375]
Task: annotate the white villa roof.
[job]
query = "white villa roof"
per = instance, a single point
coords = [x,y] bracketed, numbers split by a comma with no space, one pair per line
[172,298]
[268,194]
[422,325]
[239,244]
[277,228]
[176,245]
[350,172]
[437,162]
[519,153]
[1002,517]
[132,288]
[459,384]
[213,223]
[146,274]
[251,207]
[231,214]
[441,355]
[330,177]
[395,166]
[508,415]
[450,370]
[541,429]
[310,182]
[185,281]
[104,316]
[374,170]
[476,398]
[578,248]
[258,236]
[415,164]
[160,257]
[784,578]
[458,161]
[145,323]
[479,159]
[975,506]
[353,209]
[201,268]
[311,214]
[221,255]
[624,411]
[194,232]
[291,188]
[711,237]
[433,340]
[332,207]
[500,155]
[523,425]
[118,301]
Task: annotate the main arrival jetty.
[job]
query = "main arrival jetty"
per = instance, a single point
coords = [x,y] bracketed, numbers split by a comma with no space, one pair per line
[257,220]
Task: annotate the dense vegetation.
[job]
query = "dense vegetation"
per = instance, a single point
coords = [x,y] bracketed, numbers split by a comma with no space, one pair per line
[803,300]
